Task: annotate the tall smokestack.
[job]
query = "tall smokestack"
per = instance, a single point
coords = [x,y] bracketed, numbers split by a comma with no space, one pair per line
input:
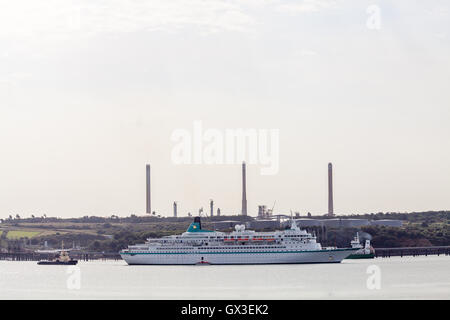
[330,190]
[211,205]
[148,193]
[175,209]
[244,191]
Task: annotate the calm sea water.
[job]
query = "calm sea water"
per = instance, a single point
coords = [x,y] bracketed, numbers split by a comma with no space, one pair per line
[399,278]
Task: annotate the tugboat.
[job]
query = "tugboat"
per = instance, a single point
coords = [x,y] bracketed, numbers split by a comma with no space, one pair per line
[62,259]
[366,252]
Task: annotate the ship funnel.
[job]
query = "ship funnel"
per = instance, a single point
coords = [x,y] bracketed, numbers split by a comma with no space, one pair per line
[195,226]
[197,220]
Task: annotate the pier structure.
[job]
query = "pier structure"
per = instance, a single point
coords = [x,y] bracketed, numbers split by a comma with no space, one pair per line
[87,256]
[35,256]
[411,251]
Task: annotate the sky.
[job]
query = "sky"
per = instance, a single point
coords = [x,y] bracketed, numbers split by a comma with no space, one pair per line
[91,91]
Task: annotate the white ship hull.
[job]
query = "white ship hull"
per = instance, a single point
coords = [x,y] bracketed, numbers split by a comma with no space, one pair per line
[296,257]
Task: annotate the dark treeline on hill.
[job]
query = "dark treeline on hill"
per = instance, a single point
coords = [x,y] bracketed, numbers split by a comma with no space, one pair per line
[427,216]
[388,237]
[116,219]
[110,234]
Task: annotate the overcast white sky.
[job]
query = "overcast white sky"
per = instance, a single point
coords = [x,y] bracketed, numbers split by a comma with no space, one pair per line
[90,91]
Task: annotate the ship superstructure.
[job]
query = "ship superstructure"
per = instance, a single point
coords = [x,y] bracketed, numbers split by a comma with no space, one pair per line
[199,246]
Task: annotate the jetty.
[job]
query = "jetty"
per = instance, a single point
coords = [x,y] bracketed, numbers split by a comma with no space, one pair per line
[34,256]
[88,256]
[411,251]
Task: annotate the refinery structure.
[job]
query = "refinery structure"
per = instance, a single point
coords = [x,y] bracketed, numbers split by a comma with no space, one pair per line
[330,190]
[148,191]
[267,219]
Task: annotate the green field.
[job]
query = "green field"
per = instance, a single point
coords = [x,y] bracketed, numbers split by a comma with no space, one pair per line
[17,234]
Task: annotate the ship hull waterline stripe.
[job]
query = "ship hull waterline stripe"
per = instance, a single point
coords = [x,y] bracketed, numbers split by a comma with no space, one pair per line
[258,252]
[225,264]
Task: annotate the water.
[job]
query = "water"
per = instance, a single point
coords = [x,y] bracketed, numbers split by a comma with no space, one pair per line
[400,278]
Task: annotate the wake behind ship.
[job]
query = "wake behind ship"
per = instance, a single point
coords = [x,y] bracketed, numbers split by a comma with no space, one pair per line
[199,246]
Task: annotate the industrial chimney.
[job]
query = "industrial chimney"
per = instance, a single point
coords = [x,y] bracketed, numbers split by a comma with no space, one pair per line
[244,191]
[175,209]
[211,205]
[330,190]
[148,194]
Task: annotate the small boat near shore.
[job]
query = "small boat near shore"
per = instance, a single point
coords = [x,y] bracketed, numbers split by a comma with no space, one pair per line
[61,259]
[366,252]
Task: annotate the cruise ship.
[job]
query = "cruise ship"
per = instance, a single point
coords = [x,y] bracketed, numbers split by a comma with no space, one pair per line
[199,246]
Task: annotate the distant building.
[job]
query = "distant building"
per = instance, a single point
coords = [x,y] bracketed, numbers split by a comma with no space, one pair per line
[263,212]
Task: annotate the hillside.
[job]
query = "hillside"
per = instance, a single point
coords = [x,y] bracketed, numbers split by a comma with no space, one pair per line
[114,233]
